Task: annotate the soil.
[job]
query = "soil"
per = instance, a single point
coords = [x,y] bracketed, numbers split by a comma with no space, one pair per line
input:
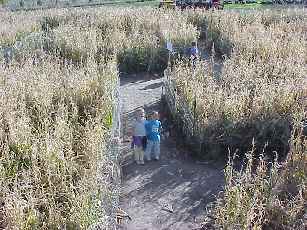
[172,193]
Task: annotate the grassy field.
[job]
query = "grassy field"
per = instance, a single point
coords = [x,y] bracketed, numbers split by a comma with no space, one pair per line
[56,169]
[139,3]
[56,111]
[32,5]
[244,6]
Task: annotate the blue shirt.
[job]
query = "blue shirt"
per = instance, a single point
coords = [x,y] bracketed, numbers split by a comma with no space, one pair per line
[194,51]
[153,129]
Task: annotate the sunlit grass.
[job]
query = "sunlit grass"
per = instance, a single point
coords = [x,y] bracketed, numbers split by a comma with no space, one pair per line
[56,99]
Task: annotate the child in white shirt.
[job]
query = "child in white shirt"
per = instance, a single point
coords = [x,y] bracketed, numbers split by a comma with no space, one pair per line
[138,136]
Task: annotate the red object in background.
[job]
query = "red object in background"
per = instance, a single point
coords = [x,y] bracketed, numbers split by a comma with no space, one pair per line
[217,4]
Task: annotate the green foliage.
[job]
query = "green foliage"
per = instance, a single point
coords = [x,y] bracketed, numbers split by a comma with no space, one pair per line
[19,159]
[49,23]
[31,221]
[108,121]
[146,59]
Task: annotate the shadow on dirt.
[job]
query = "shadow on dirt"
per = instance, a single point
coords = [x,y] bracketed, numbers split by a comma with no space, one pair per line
[126,79]
[172,193]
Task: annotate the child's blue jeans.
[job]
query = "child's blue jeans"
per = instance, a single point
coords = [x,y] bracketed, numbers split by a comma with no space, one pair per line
[152,146]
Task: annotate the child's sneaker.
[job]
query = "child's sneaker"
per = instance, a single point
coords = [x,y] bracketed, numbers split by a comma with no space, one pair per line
[142,162]
[157,158]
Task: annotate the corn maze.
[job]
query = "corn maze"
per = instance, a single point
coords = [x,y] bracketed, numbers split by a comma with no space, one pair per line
[60,111]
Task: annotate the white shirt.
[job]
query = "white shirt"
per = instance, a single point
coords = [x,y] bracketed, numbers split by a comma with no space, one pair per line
[139,128]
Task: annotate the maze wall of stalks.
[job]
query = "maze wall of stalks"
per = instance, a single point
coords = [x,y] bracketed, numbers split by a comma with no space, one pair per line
[59,158]
[257,95]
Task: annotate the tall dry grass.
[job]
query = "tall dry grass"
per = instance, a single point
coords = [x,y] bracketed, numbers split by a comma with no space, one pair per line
[56,110]
[136,38]
[258,100]
[265,195]
[56,118]
[55,124]
[14,26]
[260,90]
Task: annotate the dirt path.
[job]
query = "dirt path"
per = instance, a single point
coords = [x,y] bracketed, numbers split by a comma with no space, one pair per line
[177,183]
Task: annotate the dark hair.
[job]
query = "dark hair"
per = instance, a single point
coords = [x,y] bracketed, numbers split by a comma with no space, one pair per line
[153,113]
[193,43]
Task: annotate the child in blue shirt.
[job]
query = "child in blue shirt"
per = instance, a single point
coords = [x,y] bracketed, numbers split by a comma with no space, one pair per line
[194,53]
[153,130]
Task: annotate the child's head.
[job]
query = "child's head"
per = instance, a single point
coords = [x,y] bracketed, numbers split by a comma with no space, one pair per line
[140,114]
[154,115]
[193,43]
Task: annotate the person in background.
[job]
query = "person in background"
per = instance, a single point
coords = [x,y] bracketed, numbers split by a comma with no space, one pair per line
[194,53]
[139,137]
[208,4]
[167,126]
[153,131]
